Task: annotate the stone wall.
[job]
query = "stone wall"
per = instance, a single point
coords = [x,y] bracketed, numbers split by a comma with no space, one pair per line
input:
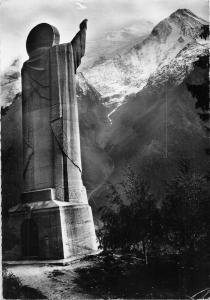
[61,231]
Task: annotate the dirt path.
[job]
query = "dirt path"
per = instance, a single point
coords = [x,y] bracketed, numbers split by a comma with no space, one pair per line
[54,282]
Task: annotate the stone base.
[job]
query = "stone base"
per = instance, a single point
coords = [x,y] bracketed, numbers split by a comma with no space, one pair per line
[50,230]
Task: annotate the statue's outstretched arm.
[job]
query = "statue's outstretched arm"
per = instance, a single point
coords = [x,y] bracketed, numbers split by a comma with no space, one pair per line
[78,44]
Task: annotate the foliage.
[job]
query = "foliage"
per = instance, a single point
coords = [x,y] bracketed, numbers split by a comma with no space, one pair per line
[124,276]
[204,32]
[13,288]
[11,285]
[4,110]
[185,214]
[181,227]
[133,222]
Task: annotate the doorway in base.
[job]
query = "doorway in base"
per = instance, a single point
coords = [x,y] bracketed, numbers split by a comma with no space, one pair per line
[29,239]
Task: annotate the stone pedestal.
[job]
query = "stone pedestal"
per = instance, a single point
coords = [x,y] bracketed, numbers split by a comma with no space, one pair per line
[50,229]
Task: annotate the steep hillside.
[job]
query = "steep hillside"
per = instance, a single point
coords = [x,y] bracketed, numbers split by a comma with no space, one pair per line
[128,72]
[114,42]
[94,125]
[11,153]
[10,83]
[159,129]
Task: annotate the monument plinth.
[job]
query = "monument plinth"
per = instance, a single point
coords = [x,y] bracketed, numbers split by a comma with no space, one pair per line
[54,219]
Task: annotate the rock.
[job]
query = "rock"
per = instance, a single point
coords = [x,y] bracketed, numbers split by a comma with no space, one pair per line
[10,83]
[127,72]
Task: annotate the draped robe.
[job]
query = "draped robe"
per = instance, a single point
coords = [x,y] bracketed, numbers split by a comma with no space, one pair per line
[52,156]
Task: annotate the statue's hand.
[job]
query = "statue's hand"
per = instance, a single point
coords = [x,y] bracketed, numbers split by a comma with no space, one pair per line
[83,24]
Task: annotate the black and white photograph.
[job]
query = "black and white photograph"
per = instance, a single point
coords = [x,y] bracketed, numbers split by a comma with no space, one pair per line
[105,149]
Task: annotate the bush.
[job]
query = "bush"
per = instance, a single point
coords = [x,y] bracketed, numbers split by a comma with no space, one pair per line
[134,226]
[181,227]
[13,288]
[185,215]
[11,285]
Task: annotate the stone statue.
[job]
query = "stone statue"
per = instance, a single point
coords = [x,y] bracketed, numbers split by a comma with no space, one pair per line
[50,117]
[52,171]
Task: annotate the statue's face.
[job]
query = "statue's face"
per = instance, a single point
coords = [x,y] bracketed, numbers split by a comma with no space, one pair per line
[42,35]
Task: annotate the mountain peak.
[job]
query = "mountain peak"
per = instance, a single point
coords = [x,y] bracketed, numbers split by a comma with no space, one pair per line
[182,20]
[186,14]
[183,11]
[126,71]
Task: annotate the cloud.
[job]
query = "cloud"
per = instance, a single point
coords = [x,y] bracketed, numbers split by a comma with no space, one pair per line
[80,5]
[2,2]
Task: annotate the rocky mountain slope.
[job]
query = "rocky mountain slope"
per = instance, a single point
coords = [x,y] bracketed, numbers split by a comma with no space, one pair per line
[166,123]
[94,124]
[111,43]
[10,83]
[159,129]
[128,72]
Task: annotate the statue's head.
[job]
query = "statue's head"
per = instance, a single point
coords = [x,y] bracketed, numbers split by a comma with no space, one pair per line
[42,35]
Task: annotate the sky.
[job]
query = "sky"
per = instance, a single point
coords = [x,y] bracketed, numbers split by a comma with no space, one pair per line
[18,17]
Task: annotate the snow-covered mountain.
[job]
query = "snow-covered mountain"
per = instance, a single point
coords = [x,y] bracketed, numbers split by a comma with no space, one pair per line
[179,67]
[159,128]
[133,30]
[10,83]
[111,43]
[128,72]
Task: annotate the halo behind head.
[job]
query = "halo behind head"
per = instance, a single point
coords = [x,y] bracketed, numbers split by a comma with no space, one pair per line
[42,35]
